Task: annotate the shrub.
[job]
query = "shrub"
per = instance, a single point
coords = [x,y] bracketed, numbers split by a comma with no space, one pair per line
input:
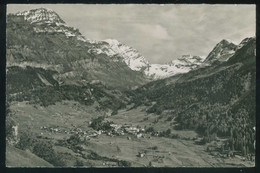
[74,139]
[79,163]
[168,132]
[146,118]
[169,118]
[165,133]
[175,136]
[150,129]
[57,160]
[44,150]
[124,163]
[154,148]
[98,124]
[156,120]
[26,141]
[114,112]
[148,104]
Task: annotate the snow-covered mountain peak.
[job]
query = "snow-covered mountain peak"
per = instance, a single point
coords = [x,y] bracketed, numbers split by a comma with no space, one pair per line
[183,64]
[129,55]
[47,21]
[41,15]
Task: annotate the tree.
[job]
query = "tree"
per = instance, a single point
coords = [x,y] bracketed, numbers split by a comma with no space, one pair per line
[26,141]
[44,150]
[168,132]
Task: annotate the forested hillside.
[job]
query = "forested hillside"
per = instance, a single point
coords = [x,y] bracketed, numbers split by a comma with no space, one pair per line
[215,101]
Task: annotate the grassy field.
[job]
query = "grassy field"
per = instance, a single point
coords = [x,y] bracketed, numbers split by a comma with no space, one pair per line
[57,123]
[20,158]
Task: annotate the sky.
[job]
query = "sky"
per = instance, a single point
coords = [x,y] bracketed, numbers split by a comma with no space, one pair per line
[160,33]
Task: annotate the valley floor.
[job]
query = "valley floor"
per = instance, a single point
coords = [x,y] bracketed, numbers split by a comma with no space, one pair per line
[58,122]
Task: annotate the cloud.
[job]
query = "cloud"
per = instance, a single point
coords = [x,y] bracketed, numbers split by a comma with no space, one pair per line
[155,31]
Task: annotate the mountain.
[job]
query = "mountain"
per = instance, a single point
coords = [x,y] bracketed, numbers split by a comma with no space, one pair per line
[41,15]
[180,65]
[50,47]
[55,34]
[49,62]
[46,42]
[130,56]
[137,62]
[216,100]
[221,52]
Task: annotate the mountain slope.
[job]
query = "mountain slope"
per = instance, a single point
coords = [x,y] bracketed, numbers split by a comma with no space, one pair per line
[222,51]
[214,100]
[46,41]
[130,56]
[19,158]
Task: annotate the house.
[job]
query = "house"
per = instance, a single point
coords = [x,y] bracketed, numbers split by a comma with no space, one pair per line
[139,135]
[141,154]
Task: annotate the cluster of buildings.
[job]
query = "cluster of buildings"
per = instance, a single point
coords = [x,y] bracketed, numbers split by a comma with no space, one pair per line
[122,129]
[117,130]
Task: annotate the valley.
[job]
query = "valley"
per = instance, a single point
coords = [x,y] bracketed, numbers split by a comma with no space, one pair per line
[59,122]
[76,102]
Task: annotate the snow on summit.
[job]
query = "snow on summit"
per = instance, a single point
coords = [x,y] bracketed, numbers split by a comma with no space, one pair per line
[182,64]
[131,56]
[46,20]
[137,62]
[41,15]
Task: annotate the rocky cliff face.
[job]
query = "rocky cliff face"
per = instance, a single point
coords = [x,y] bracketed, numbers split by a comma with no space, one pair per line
[221,52]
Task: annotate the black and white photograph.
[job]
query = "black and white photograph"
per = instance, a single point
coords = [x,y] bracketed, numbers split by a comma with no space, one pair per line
[130,85]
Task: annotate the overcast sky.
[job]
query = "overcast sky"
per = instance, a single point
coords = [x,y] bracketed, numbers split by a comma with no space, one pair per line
[159,32]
